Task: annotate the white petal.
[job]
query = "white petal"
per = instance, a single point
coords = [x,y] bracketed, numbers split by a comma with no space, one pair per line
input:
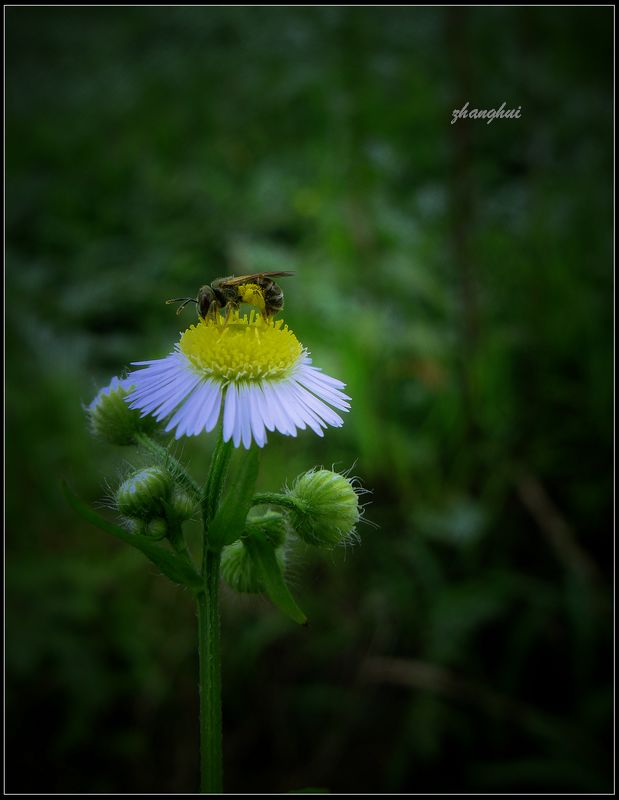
[185,416]
[236,433]
[158,369]
[146,383]
[158,396]
[281,419]
[229,412]
[210,420]
[257,422]
[244,416]
[233,410]
[152,362]
[301,415]
[328,393]
[263,408]
[317,423]
[316,405]
[194,413]
[145,380]
[318,373]
[211,398]
[162,402]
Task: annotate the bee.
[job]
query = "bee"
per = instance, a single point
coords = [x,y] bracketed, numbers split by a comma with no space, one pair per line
[230,292]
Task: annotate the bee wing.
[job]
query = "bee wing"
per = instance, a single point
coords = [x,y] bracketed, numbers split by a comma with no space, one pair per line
[241,279]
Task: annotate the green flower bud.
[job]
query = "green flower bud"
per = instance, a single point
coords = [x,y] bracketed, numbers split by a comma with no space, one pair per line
[326,508]
[156,528]
[142,495]
[133,525]
[239,571]
[181,504]
[272,526]
[110,417]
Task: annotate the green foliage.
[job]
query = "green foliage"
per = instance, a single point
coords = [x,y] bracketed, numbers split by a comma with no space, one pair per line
[457,277]
[269,568]
[171,565]
[229,522]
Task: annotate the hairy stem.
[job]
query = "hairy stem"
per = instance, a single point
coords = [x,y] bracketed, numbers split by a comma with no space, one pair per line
[211,781]
[209,633]
[172,464]
[275,499]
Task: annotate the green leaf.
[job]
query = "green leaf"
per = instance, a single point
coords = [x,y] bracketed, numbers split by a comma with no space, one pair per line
[216,478]
[263,556]
[229,522]
[177,569]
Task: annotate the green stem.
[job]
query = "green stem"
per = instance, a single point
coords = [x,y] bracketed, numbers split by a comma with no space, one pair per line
[209,633]
[275,499]
[177,540]
[209,644]
[172,464]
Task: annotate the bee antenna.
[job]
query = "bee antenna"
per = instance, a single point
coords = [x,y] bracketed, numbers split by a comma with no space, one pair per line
[183,300]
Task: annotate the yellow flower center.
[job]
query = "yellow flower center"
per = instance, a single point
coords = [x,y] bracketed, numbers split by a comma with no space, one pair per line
[241,349]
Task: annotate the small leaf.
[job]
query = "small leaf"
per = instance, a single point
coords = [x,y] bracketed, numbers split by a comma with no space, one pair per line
[229,522]
[216,479]
[171,565]
[263,556]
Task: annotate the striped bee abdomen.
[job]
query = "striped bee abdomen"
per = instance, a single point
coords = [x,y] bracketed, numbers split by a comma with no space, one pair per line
[273,297]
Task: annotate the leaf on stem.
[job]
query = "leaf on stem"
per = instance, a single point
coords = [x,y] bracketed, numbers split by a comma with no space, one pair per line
[176,568]
[229,522]
[263,556]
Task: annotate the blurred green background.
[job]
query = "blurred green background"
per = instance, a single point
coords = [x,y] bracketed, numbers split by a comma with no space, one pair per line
[457,277]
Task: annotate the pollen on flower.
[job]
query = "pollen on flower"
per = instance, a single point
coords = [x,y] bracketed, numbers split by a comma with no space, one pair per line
[242,349]
[251,294]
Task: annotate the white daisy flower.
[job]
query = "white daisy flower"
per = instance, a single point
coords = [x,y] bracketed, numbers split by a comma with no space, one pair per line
[257,371]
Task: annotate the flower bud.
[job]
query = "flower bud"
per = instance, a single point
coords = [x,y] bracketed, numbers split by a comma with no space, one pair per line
[272,526]
[326,508]
[110,417]
[156,528]
[133,525]
[182,506]
[240,572]
[141,496]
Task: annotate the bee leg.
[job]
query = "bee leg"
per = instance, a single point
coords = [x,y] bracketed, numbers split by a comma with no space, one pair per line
[211,314]
[230,307]
[180,308]
[180,300]
[268,313]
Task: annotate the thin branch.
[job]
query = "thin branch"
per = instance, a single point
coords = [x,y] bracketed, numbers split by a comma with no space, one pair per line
[555,527]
